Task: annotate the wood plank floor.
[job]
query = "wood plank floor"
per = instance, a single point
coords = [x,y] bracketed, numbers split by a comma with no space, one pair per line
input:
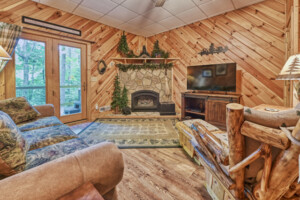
[161,174]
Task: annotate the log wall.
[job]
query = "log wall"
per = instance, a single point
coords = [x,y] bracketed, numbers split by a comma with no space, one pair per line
[105,37]
[255,38]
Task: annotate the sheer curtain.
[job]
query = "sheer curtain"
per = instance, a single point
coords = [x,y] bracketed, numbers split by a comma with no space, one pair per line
[9,36]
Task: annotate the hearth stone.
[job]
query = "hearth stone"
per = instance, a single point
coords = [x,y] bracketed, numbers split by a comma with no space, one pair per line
[167,108]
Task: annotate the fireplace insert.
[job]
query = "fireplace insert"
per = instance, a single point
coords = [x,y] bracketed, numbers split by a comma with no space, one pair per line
[145,101]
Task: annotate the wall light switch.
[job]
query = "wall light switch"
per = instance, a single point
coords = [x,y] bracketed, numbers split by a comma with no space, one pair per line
[93,79]
[112,63]
[96,107]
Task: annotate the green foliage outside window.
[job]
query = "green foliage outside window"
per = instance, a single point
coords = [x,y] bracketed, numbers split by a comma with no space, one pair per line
[30,71]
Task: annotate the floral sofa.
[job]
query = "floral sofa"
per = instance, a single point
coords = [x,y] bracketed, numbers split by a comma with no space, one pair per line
[32,138]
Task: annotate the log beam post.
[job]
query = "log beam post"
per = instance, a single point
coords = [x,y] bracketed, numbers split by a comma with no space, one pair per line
[234,121]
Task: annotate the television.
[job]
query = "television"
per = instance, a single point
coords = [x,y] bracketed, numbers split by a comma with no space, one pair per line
[216,77]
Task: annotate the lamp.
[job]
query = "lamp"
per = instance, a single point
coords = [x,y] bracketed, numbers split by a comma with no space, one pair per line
[3,54]
[291,71]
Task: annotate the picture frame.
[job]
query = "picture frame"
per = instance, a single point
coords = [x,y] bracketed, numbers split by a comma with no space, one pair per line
[207,73]
[221,70]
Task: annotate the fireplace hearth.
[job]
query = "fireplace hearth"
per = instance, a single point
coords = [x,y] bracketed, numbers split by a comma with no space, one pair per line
[145,101]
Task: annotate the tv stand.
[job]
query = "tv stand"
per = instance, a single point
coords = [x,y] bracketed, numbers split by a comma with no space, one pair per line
[207,106]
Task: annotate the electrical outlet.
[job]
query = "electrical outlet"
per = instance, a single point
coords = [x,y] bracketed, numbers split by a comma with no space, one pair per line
[96,107]
[107,108]
[93,79]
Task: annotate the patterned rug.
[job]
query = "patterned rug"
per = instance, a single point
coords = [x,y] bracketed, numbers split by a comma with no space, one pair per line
[132,133]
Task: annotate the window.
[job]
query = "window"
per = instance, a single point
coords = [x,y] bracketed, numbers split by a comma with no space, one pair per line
[30,71]
[52,71]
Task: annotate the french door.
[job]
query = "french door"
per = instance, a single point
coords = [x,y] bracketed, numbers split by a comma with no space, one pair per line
[52,71]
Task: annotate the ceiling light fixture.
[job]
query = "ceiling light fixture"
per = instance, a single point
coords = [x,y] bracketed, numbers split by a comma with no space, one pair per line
[159,3]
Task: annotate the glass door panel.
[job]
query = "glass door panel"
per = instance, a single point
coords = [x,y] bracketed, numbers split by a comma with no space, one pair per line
[70,80]
[69,74]
[30,71]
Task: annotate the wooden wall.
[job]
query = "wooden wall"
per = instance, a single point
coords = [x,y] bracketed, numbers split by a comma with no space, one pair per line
[255,38]
[105,37]
[254,35]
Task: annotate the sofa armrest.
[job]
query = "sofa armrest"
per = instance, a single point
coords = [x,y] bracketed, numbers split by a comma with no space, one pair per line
[101,164]
[46,110]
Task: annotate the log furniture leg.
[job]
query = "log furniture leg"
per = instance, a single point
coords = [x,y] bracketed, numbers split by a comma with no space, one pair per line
[284,171]
[267,155]
[234,121]
[293,189]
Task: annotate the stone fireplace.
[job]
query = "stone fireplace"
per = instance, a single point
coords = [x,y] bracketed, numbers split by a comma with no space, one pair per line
[145,100]
[157,81]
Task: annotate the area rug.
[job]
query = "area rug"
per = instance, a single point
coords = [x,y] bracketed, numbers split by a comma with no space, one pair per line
[132,133]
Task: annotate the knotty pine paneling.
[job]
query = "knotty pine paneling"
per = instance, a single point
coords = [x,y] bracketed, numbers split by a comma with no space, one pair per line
[255,38]
[106,39]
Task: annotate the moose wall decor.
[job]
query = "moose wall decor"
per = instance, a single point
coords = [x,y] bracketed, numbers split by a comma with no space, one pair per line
[213,50]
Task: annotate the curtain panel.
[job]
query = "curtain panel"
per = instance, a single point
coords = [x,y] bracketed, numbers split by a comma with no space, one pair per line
[9,37]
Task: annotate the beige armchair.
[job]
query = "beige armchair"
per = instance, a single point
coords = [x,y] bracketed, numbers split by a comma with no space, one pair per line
[101,164]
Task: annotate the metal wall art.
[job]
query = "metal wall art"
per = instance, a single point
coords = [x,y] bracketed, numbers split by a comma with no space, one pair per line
[213,50]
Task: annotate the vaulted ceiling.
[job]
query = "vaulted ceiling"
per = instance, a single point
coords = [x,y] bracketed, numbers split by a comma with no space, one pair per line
[141,17]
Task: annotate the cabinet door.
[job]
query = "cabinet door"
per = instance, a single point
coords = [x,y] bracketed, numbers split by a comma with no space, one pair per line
[216,112]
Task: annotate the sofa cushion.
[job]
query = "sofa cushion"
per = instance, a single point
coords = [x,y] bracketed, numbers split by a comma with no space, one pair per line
[42,137]
[39,123]
[12,147]
[19,109]
[40,156]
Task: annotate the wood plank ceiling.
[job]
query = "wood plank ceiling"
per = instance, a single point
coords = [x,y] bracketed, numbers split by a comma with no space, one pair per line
[254,36]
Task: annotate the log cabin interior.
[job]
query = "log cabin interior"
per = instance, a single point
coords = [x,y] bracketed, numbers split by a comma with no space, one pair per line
[152,99]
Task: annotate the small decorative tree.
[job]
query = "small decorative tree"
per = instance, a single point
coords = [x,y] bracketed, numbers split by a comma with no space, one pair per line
[116,98]
[157,52]
[123,48]
[124,98]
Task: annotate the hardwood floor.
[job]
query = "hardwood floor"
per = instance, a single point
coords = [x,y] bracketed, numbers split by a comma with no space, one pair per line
[161,174]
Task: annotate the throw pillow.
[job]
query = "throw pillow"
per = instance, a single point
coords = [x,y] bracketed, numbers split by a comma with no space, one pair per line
[19,109]
[283,118]
[12,147]
[42,137]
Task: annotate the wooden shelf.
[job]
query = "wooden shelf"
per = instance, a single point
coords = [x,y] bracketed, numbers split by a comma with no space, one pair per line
[195,112]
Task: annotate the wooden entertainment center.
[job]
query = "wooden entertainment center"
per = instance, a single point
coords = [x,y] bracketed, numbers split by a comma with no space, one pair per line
[207,106]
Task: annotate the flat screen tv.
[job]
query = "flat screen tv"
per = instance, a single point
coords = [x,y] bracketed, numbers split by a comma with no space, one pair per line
[216,77]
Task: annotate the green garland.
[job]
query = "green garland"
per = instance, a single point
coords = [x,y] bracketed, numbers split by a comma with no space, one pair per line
[153,66]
